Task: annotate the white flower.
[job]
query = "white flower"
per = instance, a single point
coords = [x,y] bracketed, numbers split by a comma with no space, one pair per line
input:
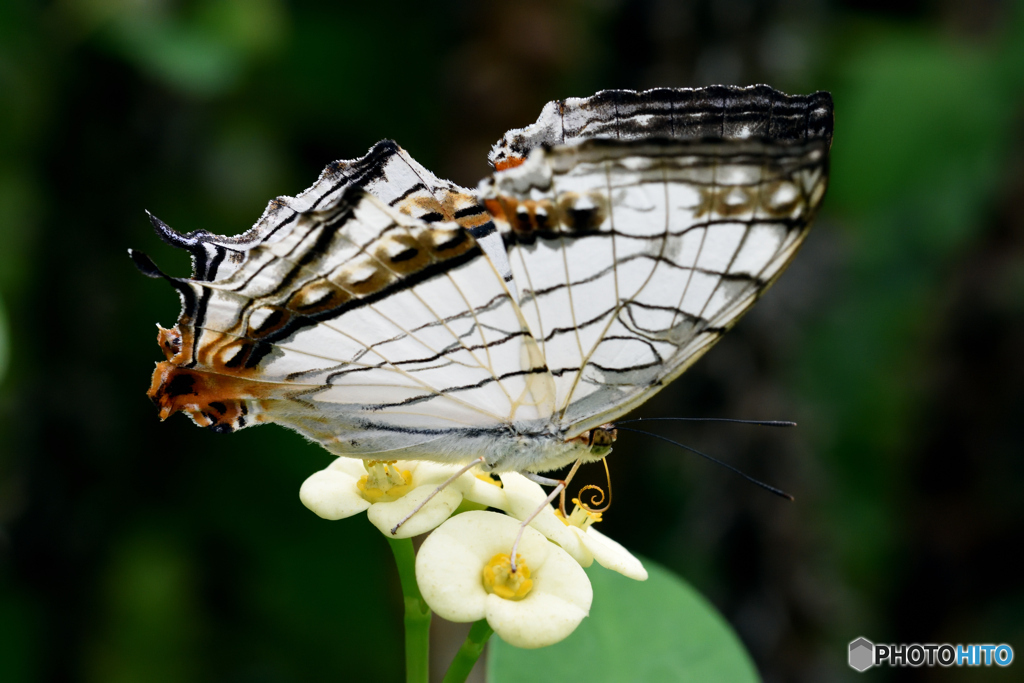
[389,491]
[464,575]
[523,496]
[576,534]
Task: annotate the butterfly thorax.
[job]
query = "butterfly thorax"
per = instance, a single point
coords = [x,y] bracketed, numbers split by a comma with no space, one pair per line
[550,450]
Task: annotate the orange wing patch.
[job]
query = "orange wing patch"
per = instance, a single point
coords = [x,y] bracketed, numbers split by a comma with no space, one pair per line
[212,399]
[217,401]
[508,162]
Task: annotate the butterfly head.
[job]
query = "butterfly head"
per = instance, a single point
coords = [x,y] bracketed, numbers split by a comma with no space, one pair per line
[599,440]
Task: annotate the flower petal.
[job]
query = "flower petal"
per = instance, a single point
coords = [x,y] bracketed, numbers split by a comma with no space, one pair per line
[524,497]
[332,493]
[385,516]
[449,564]
[353,467]
[449,570]
[426,472]
[472,488]
[560,599]
[611,554]
[539,620]
[479,491]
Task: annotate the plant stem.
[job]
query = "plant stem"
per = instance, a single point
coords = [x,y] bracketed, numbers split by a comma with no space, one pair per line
[417,614]
[469,652]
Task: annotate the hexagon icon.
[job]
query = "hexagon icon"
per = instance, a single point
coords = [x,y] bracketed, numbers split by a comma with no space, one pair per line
[862,654]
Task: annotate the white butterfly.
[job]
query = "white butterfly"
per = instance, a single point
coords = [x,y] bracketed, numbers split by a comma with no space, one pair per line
[385,313]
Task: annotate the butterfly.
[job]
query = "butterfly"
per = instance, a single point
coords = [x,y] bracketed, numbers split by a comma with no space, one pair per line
[385,313]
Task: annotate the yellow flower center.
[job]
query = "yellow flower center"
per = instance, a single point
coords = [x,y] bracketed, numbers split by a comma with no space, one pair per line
[579,517]
[487,478]
[383,482]
[503,582]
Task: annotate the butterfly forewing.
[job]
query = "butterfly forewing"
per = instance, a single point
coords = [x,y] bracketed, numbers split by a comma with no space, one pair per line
[634,256]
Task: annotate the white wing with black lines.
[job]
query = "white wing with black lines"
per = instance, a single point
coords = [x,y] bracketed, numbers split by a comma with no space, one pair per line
[387,313]
[359,320]
[634,253]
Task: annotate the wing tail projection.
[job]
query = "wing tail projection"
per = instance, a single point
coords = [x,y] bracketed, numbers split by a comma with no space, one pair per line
[386,172]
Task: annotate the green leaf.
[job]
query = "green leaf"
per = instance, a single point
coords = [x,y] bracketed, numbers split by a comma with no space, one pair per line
[656,630]
[916,114]
[183,55]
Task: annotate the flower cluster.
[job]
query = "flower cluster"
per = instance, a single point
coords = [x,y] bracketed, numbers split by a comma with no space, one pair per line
[464,568]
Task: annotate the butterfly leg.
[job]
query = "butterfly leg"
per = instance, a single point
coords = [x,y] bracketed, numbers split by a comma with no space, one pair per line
[441,487]
[560,485]
[543,481]
[547,481]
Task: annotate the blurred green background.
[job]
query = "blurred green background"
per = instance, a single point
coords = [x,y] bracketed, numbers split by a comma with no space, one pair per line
[137,551]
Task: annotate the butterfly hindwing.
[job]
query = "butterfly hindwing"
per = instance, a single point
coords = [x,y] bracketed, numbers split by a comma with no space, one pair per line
[360,326]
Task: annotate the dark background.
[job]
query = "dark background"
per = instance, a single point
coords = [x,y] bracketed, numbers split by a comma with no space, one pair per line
[137,551]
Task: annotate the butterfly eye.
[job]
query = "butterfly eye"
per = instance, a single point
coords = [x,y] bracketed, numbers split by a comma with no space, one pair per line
[601,441]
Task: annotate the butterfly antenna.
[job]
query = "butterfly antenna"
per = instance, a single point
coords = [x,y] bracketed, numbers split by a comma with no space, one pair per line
[767,487]
[759,423]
